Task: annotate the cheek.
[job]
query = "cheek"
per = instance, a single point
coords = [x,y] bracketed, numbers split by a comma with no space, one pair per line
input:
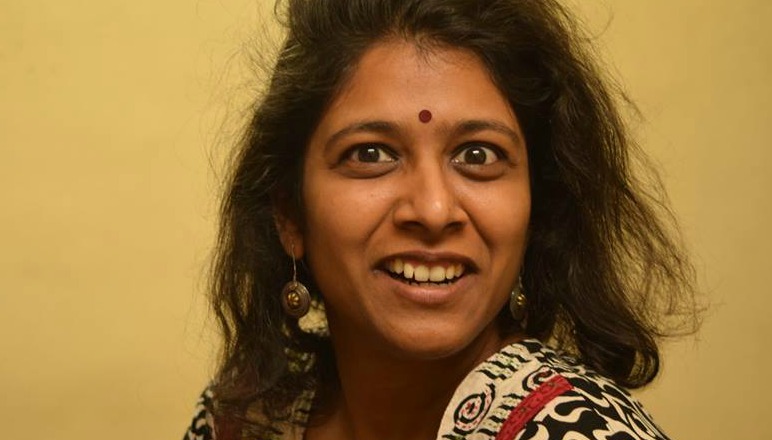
[341,218]
[343,211]
[501,214]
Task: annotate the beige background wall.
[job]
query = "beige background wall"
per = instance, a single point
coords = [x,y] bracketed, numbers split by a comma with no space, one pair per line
[114,116]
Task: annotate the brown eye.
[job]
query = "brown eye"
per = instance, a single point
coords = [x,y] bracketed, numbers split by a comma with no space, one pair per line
[371,154]
[476,155]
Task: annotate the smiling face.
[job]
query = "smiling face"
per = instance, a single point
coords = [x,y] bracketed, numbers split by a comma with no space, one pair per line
[417,201]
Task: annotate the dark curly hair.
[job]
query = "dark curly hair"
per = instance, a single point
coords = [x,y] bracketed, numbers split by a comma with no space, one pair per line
[602,270]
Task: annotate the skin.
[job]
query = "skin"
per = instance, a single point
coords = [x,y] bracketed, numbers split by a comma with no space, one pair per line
[380,184]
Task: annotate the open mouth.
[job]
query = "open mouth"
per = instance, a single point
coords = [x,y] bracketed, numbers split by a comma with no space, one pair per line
[425,274]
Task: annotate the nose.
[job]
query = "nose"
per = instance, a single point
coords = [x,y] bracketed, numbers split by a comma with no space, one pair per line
[429,202]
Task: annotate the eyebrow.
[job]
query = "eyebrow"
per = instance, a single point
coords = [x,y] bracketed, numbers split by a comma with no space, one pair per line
[382,127]
[466,127]
[476,125]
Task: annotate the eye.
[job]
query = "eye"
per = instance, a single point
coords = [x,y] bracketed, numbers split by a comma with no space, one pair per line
[370,153]
[477,154]
[367,160]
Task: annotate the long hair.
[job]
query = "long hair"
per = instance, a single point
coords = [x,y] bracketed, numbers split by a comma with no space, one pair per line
[602,270]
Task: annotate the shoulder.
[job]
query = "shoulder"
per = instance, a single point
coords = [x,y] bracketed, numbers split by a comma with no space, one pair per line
[528,391]
[591,405]
[205,426]
[202,425]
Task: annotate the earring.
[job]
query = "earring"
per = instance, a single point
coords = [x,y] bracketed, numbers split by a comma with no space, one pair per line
[518,301]
[295,298]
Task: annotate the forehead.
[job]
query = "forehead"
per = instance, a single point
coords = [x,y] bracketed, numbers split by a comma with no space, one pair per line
[397,76]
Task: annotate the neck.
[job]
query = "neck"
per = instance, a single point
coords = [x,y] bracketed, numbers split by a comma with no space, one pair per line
[387,396]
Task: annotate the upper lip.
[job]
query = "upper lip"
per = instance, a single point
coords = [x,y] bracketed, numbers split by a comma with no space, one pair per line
[428,257]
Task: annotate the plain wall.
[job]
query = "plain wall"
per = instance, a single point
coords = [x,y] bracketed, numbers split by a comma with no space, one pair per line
[114,120]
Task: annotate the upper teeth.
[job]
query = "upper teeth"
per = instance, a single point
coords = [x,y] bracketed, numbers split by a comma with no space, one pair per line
[423,273]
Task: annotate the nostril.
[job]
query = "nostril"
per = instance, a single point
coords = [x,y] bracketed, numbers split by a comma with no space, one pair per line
[430,216]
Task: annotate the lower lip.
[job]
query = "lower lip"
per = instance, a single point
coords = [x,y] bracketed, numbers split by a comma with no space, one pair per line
[426,295]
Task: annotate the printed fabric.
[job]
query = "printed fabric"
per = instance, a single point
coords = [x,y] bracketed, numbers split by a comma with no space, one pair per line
[526,391]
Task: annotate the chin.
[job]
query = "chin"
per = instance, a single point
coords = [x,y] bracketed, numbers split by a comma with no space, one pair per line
[428,344]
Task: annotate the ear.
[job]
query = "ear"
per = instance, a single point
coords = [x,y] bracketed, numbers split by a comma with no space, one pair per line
[290,234]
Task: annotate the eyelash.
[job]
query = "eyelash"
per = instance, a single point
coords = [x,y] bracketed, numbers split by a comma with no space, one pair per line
[494,160]
[383,152]
[497,152]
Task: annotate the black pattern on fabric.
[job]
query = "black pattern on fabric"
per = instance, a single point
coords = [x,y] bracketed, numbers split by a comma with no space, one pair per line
[499,395]
[201,428]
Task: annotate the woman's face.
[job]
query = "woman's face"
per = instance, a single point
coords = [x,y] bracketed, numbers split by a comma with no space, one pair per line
[417,203]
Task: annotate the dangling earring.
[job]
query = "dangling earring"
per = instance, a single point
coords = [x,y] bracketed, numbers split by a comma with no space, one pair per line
[518,302]
[295,298]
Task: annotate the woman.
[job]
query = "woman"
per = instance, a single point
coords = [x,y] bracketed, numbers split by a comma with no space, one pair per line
[447,183]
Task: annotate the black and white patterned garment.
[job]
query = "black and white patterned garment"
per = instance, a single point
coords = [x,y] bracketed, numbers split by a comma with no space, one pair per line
[526,391]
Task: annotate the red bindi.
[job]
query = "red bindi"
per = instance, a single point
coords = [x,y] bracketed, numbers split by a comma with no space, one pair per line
[425,116]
